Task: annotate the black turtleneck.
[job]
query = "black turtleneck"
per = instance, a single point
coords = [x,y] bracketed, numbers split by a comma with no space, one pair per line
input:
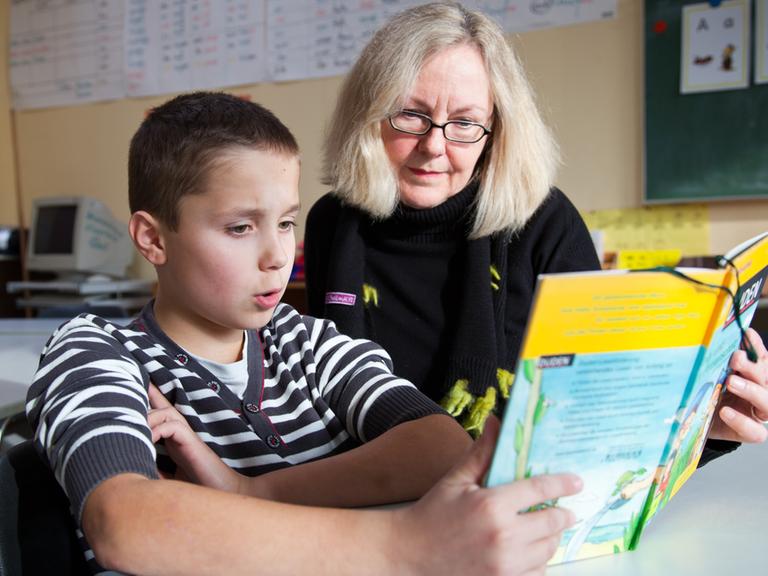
[414,261]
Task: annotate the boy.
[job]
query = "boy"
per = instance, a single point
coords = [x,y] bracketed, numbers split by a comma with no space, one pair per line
[213,187]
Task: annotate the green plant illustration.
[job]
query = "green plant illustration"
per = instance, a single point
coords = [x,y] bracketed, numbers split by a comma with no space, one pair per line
[534,412]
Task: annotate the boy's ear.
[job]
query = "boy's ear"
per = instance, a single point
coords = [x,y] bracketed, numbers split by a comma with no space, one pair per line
[147,235]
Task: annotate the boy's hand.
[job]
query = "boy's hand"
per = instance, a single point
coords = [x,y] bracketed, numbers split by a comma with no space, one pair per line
[480,530]
[196,461]
[744,406]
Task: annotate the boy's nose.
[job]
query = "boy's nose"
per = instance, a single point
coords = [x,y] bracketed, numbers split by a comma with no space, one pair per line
[273,253]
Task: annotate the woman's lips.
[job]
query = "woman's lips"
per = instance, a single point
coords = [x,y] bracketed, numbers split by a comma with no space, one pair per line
[424,173]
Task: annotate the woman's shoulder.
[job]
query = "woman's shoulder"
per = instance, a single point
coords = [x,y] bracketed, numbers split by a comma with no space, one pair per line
[327,205]
[556,234]
[556,214]
[557,206]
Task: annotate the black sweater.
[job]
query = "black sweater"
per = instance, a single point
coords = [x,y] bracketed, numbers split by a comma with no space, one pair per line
[414,259]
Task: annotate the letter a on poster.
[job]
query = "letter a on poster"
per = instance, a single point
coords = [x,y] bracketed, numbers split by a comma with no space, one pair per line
[715,50]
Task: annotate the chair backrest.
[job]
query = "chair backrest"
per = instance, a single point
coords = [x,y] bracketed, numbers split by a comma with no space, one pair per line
[10,555]
[37,531]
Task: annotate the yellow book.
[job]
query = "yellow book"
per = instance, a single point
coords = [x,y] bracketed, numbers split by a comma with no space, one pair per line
[617,381]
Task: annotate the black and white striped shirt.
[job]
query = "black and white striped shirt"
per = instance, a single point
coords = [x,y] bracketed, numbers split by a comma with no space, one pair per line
[312,392]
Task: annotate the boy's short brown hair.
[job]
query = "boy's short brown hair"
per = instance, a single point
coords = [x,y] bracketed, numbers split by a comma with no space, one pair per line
[173,151]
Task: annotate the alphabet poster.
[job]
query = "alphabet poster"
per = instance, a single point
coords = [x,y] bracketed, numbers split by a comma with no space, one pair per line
[761,43]
[715,51]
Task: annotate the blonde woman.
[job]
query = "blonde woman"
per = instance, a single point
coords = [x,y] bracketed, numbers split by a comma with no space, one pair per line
[443,212]
[443,209]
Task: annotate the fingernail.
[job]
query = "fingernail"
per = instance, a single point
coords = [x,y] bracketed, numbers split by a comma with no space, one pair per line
[736,383]
[570,519]
[727,413]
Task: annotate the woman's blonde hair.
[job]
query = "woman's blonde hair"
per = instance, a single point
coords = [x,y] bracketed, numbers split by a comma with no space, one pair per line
[518,166]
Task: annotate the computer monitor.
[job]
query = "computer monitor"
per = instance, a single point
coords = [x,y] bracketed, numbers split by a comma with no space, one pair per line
[77,236]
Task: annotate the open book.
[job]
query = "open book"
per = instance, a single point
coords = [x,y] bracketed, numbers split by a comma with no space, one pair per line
[617,381]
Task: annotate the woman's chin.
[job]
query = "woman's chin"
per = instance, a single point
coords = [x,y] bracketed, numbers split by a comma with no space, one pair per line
[425,198]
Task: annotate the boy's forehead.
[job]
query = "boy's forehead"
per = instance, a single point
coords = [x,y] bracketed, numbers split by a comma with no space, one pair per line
[246,179]
[240,153]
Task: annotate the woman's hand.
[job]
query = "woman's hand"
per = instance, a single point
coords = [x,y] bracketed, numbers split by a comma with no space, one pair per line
[197,462]
[744,406]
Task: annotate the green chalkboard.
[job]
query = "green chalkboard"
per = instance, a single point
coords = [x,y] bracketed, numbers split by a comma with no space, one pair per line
[703,146]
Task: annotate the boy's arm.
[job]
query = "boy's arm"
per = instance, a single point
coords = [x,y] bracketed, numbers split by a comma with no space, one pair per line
[402,464]
[144,526]
[88,402]
[409,442]
[399,465]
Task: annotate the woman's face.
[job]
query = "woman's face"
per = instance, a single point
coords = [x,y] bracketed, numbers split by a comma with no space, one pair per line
[452,85]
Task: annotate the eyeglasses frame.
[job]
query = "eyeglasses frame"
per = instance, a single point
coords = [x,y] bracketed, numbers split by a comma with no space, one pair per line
[433,124]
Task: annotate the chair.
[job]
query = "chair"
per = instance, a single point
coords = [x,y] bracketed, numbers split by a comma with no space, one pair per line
[37,531]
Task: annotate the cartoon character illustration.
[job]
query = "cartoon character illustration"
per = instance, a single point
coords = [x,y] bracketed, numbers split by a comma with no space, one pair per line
[672,468]
[629,484]
[727,57]
[703,60]
[701,436]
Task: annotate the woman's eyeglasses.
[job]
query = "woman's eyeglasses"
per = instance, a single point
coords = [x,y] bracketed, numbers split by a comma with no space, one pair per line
[453,130]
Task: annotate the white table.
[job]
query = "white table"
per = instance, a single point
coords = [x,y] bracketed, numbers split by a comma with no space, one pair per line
[715,525]
[21,341]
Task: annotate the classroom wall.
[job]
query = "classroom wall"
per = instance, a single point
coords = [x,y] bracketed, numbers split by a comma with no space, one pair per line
[8,205]
[589,79]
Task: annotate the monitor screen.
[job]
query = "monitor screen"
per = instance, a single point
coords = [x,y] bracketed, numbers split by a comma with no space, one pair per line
[55,229]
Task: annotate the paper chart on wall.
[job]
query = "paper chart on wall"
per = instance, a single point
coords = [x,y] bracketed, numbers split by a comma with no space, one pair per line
[196,44]
[525,15]
[66,52]
[313,38]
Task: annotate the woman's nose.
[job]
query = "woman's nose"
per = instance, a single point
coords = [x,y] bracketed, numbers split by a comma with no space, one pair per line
[433,142]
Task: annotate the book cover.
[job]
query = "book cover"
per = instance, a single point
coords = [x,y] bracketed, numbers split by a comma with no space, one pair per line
[613,363]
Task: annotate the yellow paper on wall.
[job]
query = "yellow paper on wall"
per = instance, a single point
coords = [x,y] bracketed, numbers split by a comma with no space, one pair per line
[683,227]
[639,259]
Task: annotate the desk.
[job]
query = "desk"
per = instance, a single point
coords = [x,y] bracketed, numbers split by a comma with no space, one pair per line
[716,524]
[21,341]
[12,395]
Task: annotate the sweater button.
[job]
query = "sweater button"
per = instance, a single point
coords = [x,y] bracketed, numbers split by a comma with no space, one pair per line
[273,441]
[213,385]
[252,408]
[182,359]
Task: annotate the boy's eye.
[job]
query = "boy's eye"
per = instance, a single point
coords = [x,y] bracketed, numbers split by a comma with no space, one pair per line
[287,225]
[239,229]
